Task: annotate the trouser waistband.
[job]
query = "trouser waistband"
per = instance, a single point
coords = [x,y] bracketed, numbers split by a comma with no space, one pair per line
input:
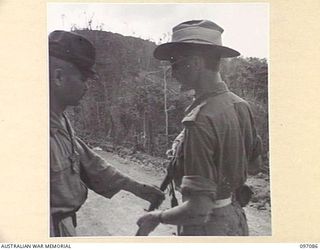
[221,203]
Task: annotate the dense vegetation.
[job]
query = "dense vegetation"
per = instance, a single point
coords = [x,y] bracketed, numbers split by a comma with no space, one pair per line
[125,107]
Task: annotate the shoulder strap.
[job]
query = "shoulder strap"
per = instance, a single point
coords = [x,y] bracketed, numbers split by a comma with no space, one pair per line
[71,134]
[75,155]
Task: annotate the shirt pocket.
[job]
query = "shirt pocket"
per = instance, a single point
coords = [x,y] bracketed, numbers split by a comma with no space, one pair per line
[58,169]
[64,166]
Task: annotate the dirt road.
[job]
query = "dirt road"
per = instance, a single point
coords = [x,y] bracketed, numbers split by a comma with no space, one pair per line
[118,216]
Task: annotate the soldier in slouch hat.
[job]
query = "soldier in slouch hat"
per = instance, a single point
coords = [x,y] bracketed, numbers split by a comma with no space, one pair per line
[218,146]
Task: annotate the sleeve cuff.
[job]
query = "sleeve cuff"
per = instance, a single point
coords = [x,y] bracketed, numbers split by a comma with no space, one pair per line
[196,184]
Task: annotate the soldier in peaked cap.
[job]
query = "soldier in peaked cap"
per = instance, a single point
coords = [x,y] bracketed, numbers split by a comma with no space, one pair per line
[74,167]
[218,146]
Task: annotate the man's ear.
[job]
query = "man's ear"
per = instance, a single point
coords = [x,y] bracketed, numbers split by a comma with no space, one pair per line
[58,77]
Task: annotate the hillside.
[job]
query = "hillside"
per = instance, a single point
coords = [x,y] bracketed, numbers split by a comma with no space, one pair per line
[124,107]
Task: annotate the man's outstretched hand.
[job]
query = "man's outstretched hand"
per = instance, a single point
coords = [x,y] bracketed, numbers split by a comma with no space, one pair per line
[148,222]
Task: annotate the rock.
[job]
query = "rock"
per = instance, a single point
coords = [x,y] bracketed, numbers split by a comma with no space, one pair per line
[260,175]
[254,199]
[97,148]
[267,205]
[262,208]
[108,148]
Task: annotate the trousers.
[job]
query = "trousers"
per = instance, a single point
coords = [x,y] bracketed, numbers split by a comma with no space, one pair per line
[225,221]
[63,225]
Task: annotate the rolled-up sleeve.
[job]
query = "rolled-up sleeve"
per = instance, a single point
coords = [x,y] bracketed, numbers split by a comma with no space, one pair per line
[98,174]
[199,167]
[253,142]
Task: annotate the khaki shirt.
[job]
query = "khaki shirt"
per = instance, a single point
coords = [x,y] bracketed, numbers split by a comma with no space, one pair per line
[219,141]
[74,168]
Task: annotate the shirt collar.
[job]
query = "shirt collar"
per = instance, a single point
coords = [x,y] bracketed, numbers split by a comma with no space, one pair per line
[218,88]
[57,124]
[56,121]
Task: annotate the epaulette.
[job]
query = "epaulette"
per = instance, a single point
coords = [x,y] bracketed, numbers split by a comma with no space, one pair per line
[191,117]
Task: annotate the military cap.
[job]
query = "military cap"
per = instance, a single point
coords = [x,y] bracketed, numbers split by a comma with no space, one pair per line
[73,48]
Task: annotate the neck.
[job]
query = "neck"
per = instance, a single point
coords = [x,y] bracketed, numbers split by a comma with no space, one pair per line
[207,81]
[56,107]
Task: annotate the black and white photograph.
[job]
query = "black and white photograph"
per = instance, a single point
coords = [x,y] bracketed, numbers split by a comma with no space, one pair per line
[159,119]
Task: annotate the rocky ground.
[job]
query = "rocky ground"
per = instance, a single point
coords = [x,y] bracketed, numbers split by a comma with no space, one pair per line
[118,216]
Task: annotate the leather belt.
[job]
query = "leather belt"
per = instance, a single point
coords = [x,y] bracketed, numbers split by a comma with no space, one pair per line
[221,203]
